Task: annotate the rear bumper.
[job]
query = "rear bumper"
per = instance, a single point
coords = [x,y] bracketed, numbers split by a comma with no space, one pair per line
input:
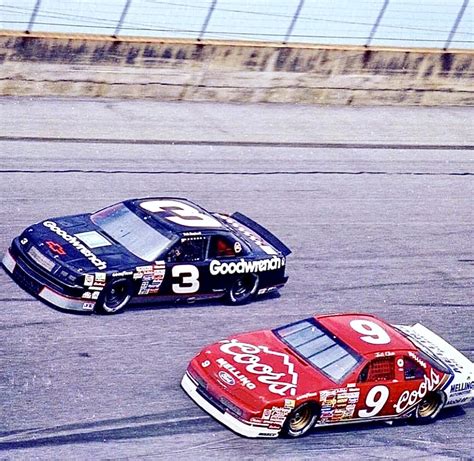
[240,427]
[33,283]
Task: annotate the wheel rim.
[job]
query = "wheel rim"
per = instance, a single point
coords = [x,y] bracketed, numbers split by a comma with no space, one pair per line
[243,287]
[300,419]
[116,297]
[428,406]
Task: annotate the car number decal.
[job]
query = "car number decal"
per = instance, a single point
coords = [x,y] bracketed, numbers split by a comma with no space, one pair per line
[181,213]
[373,333]
[376,399]
[188,279]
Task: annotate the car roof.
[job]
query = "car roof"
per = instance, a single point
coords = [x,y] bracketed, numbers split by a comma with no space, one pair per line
[343,326]
[155,209]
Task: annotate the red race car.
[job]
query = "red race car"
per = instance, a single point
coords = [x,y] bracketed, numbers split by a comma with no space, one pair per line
[325,370]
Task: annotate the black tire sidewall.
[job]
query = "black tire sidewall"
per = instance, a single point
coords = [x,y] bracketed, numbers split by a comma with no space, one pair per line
[249,295]
[101,306]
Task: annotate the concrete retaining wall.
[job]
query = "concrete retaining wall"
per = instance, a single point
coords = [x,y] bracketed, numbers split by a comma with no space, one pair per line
[43,65]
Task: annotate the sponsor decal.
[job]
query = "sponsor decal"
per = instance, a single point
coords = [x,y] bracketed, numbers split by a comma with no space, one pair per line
[87,295]
[122,274]
[237,247]
[384,354]
[278,414]
[458,401]
[88,280]
[436,350]
[245,381]
[152,279]
[417,359]
[226,378]
[410,398]
[88,306]
[461,388]
[244,267]
[95,282]
[307,395]
[41,259]
[290,403]
[75,242]
[263,291]
[100,279]
[251,356]
[55,247]
[338,404]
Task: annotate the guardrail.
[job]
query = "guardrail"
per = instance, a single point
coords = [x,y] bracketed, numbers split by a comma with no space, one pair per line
[98,66]
[396,23]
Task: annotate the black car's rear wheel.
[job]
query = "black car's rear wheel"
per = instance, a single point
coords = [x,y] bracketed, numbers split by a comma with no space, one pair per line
[300,420]
[428,409]
[243,289]
[114,297]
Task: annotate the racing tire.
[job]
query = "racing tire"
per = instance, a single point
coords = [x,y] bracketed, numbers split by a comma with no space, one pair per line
[243,289]
[114,297]
[300,421]
[429,408]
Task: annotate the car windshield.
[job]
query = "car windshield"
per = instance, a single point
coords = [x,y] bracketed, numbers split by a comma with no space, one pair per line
[320,348]
[125,227]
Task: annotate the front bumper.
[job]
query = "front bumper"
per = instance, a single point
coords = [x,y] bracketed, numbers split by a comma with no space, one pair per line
[240,427]
[35,284]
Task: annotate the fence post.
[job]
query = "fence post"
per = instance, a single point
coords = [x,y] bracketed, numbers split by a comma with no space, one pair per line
[376,24]
[122,18]
[456,24]
[293,21]
[208,18]
[33,16]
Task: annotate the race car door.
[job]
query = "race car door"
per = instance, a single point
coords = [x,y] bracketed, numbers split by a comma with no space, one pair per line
[225,251]
[376,383]
[185,264]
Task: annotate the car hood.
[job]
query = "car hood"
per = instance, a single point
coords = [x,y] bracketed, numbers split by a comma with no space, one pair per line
[256,369]
[77,242]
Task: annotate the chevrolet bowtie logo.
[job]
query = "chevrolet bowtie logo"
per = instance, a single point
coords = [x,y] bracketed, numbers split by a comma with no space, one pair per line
[55,248]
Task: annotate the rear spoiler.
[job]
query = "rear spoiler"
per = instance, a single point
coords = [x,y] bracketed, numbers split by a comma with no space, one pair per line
[264,233]
[437,346]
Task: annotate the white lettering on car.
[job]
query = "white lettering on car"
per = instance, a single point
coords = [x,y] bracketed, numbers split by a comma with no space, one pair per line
[243,267]
[409,398]
[76,244]
[249,355]
[246,382]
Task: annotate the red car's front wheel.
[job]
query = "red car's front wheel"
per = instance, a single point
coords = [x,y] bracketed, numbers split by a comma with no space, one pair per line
[300,420]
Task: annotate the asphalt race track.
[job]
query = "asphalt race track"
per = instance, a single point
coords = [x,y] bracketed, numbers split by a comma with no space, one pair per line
[376,204]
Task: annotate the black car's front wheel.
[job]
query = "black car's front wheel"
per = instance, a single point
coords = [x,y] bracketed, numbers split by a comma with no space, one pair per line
[114,297]
[300,420]
[243,289]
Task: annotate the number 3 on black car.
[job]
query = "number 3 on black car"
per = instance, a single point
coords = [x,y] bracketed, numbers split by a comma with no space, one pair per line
[146,250]
[188,279]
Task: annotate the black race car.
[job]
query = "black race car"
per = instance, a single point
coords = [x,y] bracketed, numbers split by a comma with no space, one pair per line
[143,250]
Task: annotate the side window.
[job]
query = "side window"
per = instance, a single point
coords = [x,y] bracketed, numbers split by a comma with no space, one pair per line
[412,370]
[188,250]
[380,369]
[225,247]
